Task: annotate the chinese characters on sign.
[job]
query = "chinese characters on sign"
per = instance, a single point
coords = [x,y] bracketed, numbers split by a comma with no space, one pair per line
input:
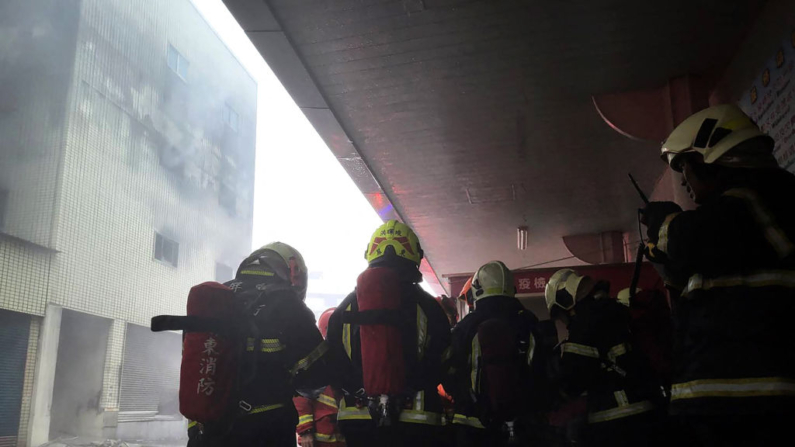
[531,284]
[206,383]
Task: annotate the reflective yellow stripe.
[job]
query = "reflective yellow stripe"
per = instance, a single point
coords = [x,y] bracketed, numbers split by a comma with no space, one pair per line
[420,417]
[307,361]
[265,408]
[352,413]
[327,400]
[460,419]
[662,235]
[576,348]
[271,345]
[531,349]
[621,398]
[422,332]
[256,272]
[328,438]
[765,386]
[419,401]
[266,345]
[474,361]
[781,278]
[620,412]
[617,351]
[773,233]
[192,424]
[346,334]
[306,419]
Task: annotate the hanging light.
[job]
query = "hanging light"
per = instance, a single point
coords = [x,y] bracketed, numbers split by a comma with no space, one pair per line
[521,237]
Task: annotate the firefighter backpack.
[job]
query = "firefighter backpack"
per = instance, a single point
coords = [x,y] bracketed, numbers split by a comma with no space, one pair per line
[214,356]
[502,370]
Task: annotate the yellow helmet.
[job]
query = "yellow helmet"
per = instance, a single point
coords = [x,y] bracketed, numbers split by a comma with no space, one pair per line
[712,133]
[394,239]
[280,260]
[493,279]
[623,296]
[565,288]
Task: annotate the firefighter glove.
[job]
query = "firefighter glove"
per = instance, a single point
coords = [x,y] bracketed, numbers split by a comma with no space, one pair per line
[654,215]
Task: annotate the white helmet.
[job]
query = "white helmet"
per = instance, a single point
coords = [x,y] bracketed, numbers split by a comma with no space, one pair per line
[565,288]
[712,133]
[493,279]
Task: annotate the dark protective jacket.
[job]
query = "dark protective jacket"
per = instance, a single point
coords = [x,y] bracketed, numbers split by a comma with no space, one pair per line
[597,358]
[430,341]
[465,363]
[287,353]
[289,348]
[733,350]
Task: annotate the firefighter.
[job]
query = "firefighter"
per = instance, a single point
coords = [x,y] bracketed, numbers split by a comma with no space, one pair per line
[317,409]
[492,382]
[731,262]
[288,354]
[413,418]
[597,359]
[449,306]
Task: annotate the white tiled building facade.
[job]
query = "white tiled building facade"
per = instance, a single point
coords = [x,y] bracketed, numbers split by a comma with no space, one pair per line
[126,176]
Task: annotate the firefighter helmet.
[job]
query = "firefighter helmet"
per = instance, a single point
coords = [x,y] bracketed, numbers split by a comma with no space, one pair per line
[493,279]
[322,322]
[623,296]
[393,240]
[712,133]
[565,288]
[280,260]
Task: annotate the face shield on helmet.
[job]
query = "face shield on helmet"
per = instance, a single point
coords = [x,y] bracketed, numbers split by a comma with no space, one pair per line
[281,261]
[623,296]
[565,288]
[394,240]
[712,133]
[493,279]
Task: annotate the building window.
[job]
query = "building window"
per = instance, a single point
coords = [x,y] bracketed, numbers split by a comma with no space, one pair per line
[231,117]
[3,208]
[166,250]
[223,272]
[178,63]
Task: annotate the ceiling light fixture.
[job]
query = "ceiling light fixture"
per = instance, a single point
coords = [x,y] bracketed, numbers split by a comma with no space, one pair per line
[521,237]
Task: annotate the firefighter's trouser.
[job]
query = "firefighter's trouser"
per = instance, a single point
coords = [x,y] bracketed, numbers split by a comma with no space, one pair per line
[271,429]
[399,435]
[733,430]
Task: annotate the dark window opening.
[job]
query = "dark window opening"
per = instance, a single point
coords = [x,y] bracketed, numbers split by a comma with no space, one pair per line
[166,250]
[178,63]
[231,118]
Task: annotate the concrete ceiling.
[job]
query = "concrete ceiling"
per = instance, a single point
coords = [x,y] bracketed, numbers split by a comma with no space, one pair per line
[474,117]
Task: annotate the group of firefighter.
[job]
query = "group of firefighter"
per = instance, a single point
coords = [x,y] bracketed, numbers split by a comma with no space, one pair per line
[390,366]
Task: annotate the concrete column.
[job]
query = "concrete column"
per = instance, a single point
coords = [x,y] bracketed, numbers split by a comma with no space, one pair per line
[111,381]
[44,377]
